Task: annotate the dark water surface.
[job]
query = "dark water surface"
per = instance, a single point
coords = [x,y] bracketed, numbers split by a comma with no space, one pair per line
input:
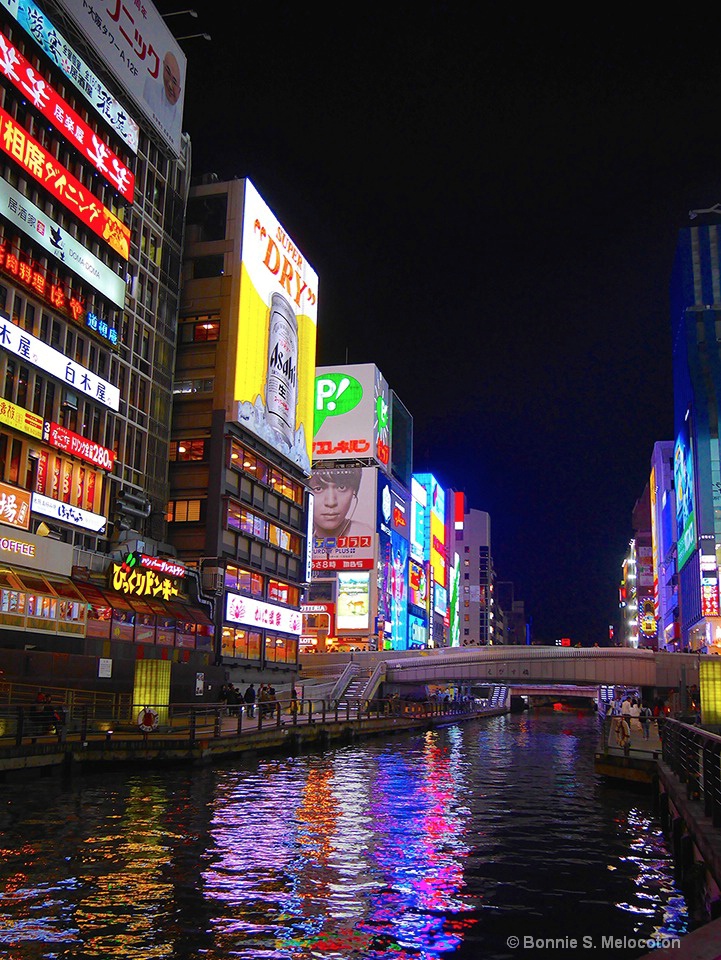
[443,844]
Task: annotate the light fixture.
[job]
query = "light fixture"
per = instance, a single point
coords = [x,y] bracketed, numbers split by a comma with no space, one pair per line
[192,36]
[176,13]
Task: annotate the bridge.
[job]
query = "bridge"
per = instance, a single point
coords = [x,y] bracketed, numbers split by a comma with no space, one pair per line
[520,667]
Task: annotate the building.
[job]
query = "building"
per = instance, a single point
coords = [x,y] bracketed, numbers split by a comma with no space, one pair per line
[477,579]
[696,326]
[240,454]
[362,454]
[92,197]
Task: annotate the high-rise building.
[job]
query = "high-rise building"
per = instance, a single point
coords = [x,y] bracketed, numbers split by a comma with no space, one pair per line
[696,326]
[240,455]
[92,196]
[476,580]
[362,520]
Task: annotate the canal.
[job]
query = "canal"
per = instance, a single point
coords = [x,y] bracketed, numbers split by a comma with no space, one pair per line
[441,844]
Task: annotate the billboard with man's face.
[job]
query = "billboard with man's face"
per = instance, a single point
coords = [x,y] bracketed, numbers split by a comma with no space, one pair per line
[276,333]
[143,56]
[352,414]
[343,518]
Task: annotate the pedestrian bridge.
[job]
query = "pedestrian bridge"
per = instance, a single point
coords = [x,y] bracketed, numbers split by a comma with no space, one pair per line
[526,666]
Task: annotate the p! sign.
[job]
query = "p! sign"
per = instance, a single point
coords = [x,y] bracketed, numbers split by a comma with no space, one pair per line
[335,394]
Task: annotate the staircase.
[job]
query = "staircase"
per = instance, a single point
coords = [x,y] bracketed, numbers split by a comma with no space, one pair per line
[352,694]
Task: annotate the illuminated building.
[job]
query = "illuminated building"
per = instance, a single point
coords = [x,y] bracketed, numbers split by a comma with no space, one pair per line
[696,325]
[92,197]
[663,519]
[362,517]
[242,423]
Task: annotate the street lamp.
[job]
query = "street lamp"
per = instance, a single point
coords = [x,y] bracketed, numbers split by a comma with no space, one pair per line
[191,36]
[176,13]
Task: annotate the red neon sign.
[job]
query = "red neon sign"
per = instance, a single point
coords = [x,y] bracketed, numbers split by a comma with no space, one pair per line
[81,447]
[62,116]
[35,280]
[45,169]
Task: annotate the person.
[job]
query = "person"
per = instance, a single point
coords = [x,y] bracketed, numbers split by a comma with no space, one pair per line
[626,709]
[262,698]
[293,700]
[635,713]
[335,501]
[163,97]
[645,718]
[249,698]
[621,732]
[234,698]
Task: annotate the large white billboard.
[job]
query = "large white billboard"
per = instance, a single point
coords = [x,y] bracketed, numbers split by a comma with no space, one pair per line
[352,414]
[143,56]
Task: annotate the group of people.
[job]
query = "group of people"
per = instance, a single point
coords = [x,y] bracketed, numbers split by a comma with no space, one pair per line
[631,714]
[264,696]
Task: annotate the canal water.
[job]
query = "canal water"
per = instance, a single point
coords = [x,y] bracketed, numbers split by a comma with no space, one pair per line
[441,844]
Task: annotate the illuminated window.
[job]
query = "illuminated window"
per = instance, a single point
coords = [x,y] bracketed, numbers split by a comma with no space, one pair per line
[238,578]
[193,386]
[283,593]
[185,511]
[183,450]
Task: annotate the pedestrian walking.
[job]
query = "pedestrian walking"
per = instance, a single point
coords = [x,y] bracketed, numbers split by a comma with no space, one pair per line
[645,718]
[249,698]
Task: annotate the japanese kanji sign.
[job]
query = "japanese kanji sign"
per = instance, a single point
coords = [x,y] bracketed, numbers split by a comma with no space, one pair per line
[42,166]
[139,582]
[14,506]
[43,96]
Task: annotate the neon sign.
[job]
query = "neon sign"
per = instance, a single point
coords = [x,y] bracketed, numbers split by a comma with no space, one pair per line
[42,166]
[78,446]
[62,116]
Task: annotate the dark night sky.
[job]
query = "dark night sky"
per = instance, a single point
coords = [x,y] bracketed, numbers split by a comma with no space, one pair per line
[491,203]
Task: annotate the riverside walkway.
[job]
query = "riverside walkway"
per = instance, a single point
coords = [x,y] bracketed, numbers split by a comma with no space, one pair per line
[31,744]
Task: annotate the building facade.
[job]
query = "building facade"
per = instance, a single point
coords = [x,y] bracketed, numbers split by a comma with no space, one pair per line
[92,196]
[238,510]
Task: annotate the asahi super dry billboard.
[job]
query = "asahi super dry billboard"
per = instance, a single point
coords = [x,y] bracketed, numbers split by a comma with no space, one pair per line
[277,315]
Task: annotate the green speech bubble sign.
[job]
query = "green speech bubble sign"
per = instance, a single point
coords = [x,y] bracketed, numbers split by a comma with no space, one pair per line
[335,393]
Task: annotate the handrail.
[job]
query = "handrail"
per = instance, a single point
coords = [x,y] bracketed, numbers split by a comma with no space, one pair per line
[694,755]
[375,680]
[350,671]
[30,728]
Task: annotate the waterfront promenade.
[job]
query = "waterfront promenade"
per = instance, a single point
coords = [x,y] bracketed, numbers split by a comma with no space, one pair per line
[205,735]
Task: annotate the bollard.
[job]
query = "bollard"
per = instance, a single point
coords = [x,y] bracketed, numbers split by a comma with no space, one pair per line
[240,720]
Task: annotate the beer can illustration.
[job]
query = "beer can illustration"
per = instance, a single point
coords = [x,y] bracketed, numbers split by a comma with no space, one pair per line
[281,389]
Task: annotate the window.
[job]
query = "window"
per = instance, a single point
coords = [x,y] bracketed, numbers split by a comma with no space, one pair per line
[200,328]
[238,578]
[185,511]
[193,386]
[210,266]
[184,450]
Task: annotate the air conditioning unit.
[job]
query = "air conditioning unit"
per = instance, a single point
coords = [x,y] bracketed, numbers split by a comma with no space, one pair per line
[213,579]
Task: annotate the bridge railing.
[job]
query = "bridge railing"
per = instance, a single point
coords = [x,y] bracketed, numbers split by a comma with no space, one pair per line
[694,755]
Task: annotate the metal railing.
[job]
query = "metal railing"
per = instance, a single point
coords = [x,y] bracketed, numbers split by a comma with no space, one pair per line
[23,725]
[694,755]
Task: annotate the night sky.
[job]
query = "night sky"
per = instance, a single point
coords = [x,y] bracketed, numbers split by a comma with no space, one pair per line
[491,202]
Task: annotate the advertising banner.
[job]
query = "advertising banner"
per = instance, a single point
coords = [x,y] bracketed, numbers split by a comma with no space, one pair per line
[419,503]
[14,506]
[65,57]
[46,233]
[684,482]
[138,582]
[71,125]
[143,56]
[40,164]
[66,513]
[78,446]
[352,414]
[277,316]
[343,518]
[393,507]
[256,613]
[417,632]
[418,585]
[56,364]
[21,419]
[353,607]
